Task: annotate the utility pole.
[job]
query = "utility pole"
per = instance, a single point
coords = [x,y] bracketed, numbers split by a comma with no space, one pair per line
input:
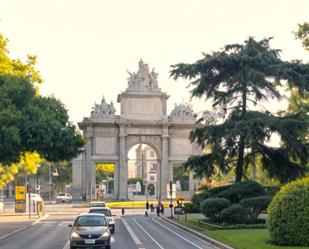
[50,183]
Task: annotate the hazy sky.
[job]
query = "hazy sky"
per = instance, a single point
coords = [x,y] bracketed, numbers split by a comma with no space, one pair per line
[85,47]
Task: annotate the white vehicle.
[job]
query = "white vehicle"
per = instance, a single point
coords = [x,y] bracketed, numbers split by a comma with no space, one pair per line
[64,197]
[1,207]
[108,216]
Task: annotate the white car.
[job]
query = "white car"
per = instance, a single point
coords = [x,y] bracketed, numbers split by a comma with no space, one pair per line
[64,197]
[1,207]
[108,216]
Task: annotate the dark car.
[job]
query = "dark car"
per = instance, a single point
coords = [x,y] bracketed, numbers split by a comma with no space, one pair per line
[180,209]
[90,231]
[108,215]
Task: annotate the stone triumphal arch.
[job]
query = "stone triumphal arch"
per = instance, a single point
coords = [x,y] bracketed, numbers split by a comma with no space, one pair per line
[143,119]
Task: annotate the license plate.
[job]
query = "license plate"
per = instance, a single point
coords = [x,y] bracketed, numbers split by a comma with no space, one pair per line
[89,241]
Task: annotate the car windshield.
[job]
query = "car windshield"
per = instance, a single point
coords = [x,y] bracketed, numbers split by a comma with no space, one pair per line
[90,221]
[61,194]
[106,212]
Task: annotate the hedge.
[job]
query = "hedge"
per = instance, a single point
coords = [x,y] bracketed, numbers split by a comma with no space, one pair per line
[235,214]
[256,205]
[242,190]
[212,207]
[288,221]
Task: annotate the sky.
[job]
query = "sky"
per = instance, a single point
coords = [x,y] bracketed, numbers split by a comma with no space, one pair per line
[85,47]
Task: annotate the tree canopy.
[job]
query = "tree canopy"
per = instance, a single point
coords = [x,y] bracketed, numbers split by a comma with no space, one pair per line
[239,77]
[303,34]
[30,122]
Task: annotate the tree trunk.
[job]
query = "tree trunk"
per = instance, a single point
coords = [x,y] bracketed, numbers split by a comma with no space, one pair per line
[241,151]
[240,160]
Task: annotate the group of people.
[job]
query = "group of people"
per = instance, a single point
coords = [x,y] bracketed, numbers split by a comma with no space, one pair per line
[159,208]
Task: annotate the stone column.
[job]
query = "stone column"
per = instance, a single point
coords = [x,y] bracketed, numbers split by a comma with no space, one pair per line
[123,168]
[77,177]
[165,168]
[90,170]
[192,182]
[116,181]
[84,176]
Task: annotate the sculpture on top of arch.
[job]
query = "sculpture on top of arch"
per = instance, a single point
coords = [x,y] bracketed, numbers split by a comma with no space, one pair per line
[103,108]
[143,80]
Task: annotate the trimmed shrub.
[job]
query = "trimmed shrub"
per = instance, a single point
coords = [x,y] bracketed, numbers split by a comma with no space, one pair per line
[213,192]
[235,214]
[288,221]
[212,207]
[198,197]
[271,190]
[190,208]
[242,190]
[256,205]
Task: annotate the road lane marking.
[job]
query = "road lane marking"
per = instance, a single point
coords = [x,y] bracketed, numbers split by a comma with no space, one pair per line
[197,246]
[189,234]
[39,220]
[67,245]
[144,230]
[132,234]
[12,233]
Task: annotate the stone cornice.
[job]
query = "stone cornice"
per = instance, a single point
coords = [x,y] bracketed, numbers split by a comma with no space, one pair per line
[162,95]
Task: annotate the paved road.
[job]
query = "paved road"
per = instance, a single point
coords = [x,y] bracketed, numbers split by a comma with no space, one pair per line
[132,232]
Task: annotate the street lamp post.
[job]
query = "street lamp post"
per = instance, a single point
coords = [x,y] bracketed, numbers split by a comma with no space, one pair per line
[171,200]
[49,184]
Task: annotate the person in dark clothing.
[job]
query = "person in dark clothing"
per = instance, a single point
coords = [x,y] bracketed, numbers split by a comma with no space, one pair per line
[151,207]
[122,211]
[162,209]
[147,205]
[158,210]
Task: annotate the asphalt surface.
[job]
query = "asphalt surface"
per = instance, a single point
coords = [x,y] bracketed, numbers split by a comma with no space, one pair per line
[133,231]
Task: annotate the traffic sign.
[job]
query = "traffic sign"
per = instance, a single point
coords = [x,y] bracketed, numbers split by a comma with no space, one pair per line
[20,193]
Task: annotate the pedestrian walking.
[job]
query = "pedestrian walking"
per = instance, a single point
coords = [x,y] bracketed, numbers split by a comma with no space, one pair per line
[158,210]
[162,209]
[147,205]
[122,211]
[151,208]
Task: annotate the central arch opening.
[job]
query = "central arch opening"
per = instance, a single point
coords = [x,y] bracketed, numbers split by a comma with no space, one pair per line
[142,172]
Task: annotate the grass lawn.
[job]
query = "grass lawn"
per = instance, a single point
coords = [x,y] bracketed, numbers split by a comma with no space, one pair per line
[239,239]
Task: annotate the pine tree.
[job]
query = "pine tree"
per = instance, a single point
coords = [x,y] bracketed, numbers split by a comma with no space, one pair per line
[236,76]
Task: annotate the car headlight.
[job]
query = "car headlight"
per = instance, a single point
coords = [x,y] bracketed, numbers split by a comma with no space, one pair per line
[106,235]
[74,235]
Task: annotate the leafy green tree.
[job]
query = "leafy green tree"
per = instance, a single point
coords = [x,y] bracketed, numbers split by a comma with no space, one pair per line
[239,77]
[104,171]
[64,176]
[30,122]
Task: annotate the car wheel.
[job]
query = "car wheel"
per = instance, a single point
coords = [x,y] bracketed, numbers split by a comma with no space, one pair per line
[108,247]
[72,247]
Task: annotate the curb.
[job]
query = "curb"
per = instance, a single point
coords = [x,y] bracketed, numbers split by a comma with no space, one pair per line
[17,215]
[211,241]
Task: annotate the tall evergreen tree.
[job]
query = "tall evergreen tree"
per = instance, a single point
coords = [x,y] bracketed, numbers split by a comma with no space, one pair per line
[239,77]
